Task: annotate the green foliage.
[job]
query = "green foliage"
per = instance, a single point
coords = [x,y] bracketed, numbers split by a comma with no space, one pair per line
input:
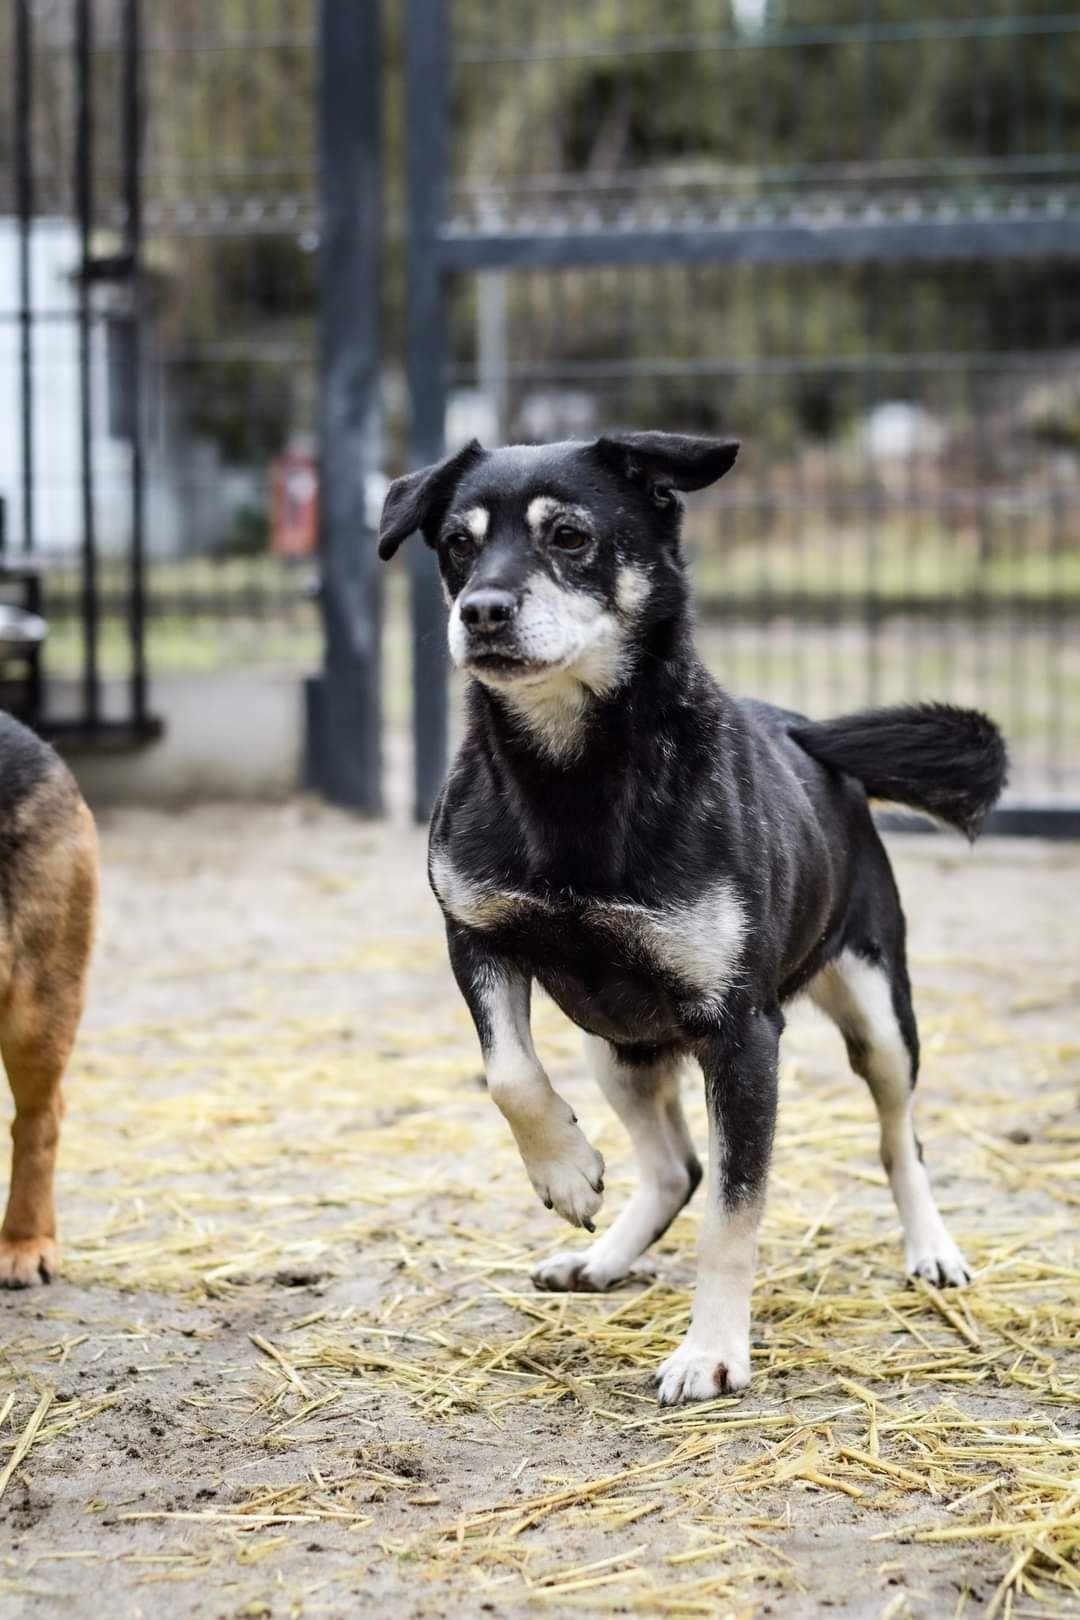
[249,535]
[612,88]
[655,103]
[244,405]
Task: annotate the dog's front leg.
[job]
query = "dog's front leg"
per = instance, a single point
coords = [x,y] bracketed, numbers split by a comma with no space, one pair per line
[739,1061]
[565,1170]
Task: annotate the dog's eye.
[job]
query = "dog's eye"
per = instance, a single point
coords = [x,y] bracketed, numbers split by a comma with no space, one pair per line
[460,545]
[567,538]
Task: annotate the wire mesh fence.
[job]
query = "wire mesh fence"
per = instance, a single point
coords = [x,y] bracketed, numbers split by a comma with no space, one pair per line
[890,319]
[845,230]
[227,322]
[699,108]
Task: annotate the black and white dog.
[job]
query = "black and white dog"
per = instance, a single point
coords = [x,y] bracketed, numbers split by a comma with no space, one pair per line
[672,864]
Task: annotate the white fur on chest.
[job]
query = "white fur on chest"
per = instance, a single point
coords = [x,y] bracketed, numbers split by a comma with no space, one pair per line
[698,944]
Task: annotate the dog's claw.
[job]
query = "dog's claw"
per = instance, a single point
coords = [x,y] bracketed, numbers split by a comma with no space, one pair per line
[946,1268]
[690,1375]
[26,1262]
[567,1172]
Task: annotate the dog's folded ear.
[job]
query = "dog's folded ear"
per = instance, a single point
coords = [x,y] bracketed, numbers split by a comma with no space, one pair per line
[420,499]
[668,461]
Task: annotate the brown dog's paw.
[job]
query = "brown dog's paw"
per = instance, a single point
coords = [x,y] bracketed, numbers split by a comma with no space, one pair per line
[26,1261]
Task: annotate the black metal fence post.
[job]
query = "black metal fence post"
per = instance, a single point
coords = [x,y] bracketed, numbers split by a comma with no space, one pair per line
[132,153]
[427,66]
[344,711]
[84,202]
[24,192]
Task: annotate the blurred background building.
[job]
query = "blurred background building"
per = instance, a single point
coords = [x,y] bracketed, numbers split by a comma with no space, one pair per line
[847,231]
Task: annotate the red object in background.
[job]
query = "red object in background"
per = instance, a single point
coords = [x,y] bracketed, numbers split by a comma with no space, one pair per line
[294,504]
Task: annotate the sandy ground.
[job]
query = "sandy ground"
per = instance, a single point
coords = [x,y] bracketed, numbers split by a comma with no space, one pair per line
[294,1366]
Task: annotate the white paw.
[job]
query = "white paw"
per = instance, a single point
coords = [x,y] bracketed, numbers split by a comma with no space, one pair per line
[577,1271]
[701,1375]
[940,1263]
[568,1173]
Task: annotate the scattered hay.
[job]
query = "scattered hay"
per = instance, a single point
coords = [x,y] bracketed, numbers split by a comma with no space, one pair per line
[353,1172]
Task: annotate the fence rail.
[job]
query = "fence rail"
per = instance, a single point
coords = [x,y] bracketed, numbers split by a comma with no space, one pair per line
[846,230]
[847,233]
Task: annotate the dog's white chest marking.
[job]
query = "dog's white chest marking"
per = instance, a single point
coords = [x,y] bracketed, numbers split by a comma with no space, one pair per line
[698,944]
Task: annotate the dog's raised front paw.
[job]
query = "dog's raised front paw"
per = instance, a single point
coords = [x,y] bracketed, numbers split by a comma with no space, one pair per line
[941,1264]
[568,1173]
[26,1261]
[691,1374]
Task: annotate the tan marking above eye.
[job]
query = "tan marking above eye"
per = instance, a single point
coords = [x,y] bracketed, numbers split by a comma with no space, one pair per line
[539,510]
[545,510]
[477,520]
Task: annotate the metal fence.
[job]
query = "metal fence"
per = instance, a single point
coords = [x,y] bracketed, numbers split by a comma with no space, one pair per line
[73,300]
[846,230]
[158,270]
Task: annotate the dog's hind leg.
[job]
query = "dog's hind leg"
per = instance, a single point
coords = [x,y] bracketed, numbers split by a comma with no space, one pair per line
[867,995]
[643,1090]
[39,1016]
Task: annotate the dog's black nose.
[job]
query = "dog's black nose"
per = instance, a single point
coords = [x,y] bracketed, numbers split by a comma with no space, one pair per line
[487,609]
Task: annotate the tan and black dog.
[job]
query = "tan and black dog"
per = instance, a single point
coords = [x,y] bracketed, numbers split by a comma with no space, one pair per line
[671,863]
[48,897]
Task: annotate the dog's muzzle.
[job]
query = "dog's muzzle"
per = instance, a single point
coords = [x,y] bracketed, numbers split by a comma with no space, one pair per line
[489,618]
[488,611]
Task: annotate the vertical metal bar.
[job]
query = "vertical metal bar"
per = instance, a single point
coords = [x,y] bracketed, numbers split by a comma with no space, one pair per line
[950,498]
[491,354]
[870,95]
[835,502]
[426,73]
[979,57]
[871,494]
[1017,685]
[1053,78]
[765,387]
[131,133]
[344,703]
[919,387]
[976,603]
[84,200]
[1055,629]
[794,302]
[24,202]
[1016,92]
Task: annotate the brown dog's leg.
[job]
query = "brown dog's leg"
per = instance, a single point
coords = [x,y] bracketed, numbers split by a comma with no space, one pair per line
[28,1235]
[38,1021]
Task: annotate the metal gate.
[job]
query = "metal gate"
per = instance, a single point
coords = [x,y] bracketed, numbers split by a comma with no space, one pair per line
[844,232]
[73,489]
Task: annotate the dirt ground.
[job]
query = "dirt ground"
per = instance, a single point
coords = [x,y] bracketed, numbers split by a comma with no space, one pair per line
[293,1365]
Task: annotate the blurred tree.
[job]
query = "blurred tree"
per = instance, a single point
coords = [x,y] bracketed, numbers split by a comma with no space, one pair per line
[661,104]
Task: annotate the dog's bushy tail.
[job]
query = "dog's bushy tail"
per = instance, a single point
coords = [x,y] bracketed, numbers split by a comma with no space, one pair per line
[950,763]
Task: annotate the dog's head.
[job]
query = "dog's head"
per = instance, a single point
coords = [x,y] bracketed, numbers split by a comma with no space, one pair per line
[556,559]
